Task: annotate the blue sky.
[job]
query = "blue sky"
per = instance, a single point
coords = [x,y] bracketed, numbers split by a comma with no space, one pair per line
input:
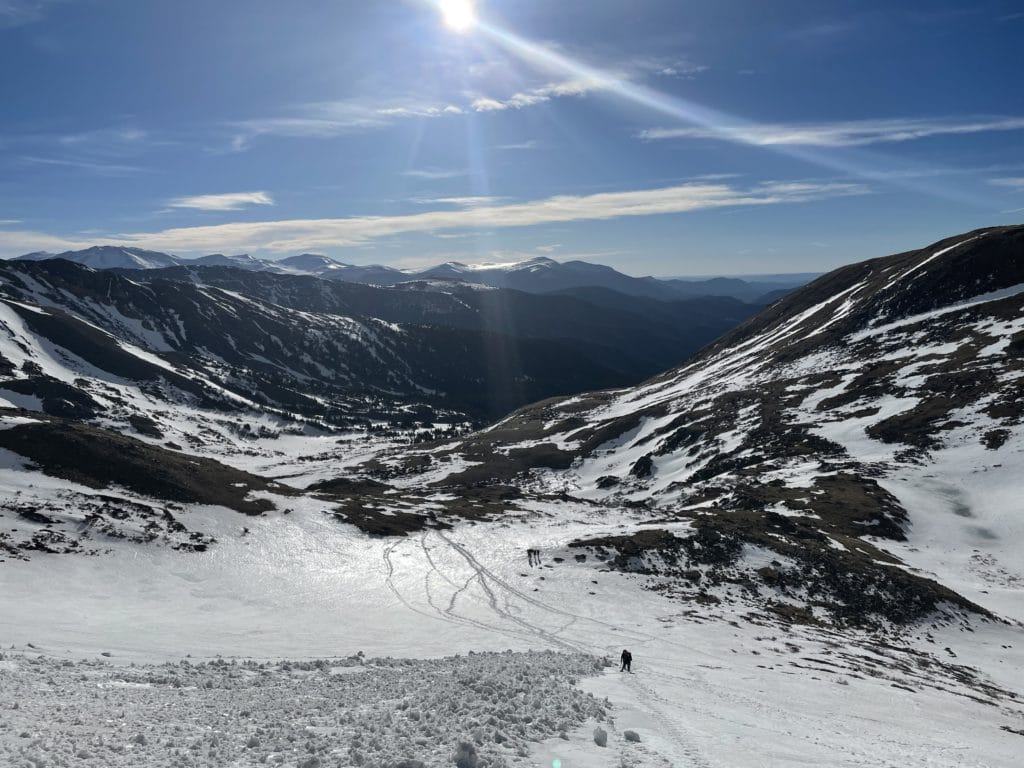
[665,137]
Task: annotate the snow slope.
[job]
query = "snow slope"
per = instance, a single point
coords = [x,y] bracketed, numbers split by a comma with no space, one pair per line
[710,688]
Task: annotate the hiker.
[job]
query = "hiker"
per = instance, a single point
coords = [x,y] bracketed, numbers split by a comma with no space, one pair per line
[533,557]
[627,660]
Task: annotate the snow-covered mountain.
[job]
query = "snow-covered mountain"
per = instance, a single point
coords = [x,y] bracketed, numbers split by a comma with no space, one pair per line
[543,275]
[810,434]
[310,263]
[109,257]
[239,261]
[635,336]
[807,535]
[68,332]
[536,275]
[868,422]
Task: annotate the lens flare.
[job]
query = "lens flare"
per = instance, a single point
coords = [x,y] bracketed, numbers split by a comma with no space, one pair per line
[458,15]
[725,126]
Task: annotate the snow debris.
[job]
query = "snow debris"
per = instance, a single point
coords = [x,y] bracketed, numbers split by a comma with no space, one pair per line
[484,710]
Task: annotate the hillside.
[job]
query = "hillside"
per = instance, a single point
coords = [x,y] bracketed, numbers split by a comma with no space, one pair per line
[804,455]
[634,336]
[323,351]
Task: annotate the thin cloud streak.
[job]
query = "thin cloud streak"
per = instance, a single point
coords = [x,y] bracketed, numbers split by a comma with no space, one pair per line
[93,166]
[534,96]
[855,133]
[14,13]
[106,138]
[1013,182]
[475,201]
[520,147]
[231,201]
[325,120]
[302,234]
[328,120]
[433,174]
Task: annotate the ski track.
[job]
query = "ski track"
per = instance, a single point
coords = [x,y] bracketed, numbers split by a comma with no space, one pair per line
[449,613]
[486,574]
[492,600]
[497,591]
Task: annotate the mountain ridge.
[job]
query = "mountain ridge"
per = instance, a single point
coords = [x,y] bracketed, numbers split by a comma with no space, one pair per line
[132,348]
[540,274]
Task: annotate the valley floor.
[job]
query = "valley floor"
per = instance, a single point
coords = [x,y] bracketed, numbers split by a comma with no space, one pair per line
[712,686]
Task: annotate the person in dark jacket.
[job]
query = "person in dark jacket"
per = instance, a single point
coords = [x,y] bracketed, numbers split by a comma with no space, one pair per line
[627,660]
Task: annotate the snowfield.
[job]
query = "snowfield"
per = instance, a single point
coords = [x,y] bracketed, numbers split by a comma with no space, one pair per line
[713,686]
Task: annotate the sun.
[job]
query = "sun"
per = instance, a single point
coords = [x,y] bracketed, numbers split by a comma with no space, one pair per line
[458,15]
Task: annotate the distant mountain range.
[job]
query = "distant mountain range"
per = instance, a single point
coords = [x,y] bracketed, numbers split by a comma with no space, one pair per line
[537,275]
[330,351]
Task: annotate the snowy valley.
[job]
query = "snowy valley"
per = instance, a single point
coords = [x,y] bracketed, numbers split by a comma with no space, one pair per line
[221,547]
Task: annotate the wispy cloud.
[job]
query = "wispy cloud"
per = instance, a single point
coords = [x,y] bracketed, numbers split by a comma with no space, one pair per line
[106,137]
[488,105]
[100,167]
[464,202]
[433,174]
[853,133]
[302,234]
[928,172]
[113,151]
[9,222]
[230,201]
[325,120]
[1011,182]
[683,70]
[521,146]
[14,13]
[668,67]
[544,93]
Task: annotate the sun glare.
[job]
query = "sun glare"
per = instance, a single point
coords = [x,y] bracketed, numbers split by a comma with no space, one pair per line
[458,15]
